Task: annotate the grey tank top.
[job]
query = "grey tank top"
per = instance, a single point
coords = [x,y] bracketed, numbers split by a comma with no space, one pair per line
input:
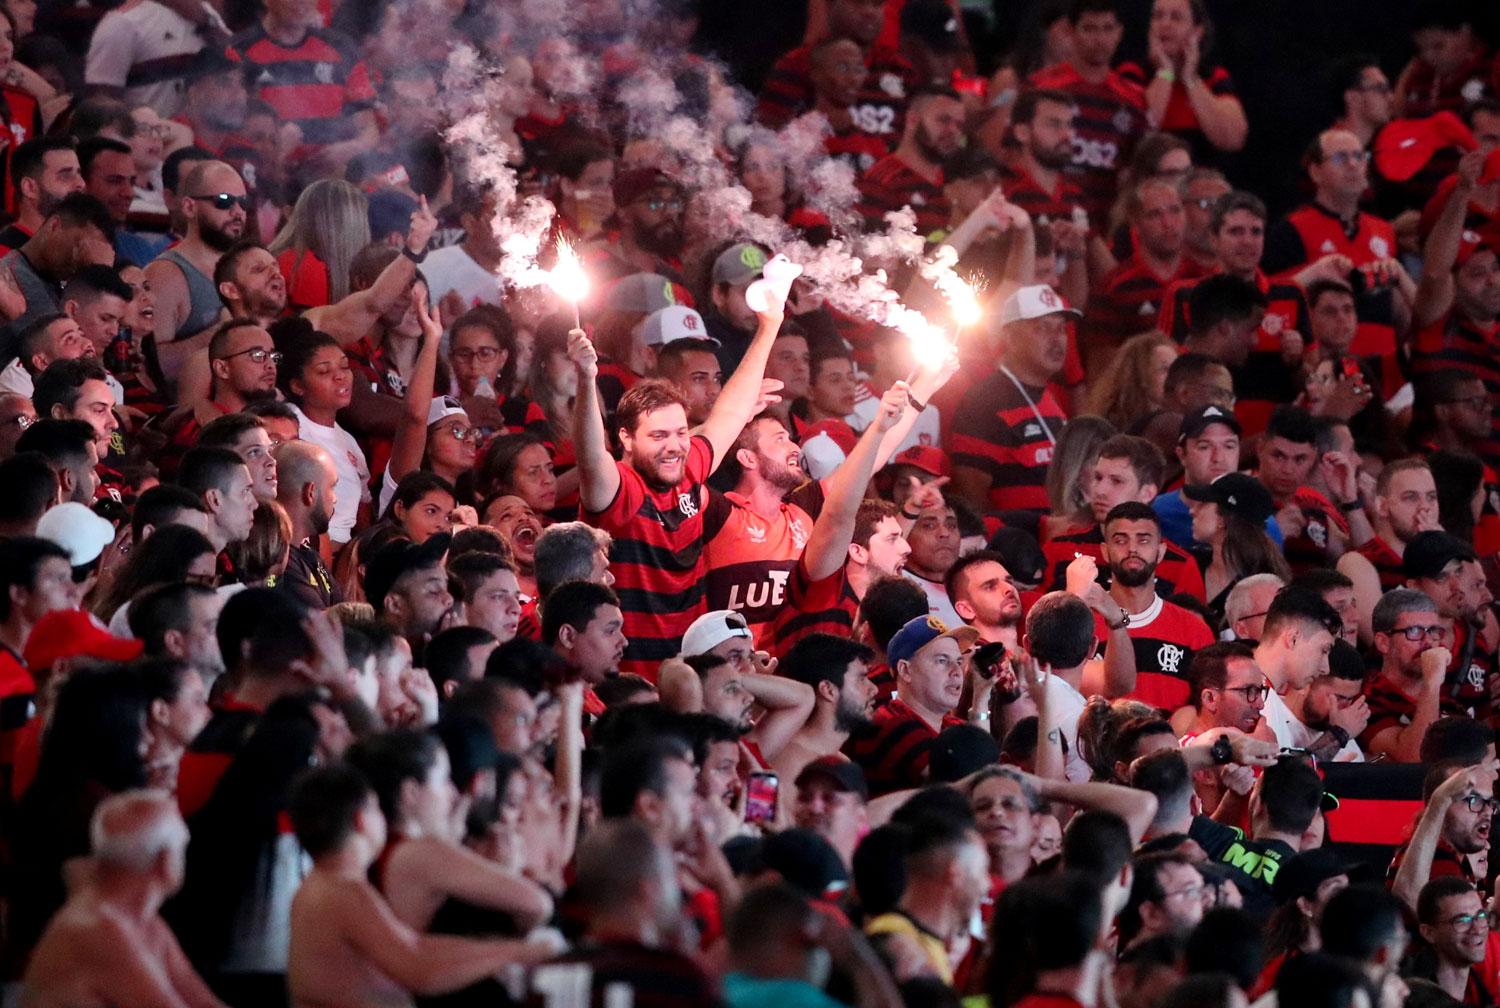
[204,305]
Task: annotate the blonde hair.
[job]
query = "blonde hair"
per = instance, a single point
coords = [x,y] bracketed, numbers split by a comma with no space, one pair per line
[1077,446]
[332,221]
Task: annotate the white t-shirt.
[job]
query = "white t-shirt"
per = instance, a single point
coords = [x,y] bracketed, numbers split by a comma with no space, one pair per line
[1067,705]
[453,269]
[146,41]
[353,486]
[1293,734]
[938,603]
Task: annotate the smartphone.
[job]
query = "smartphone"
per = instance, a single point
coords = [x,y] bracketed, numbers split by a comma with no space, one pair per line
[760,797]
[987,658]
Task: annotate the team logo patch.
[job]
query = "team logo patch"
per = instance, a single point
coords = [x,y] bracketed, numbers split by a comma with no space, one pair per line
[1272,324]
[1146,308]
[1169,657]
[917,199]
[1380,248]
[687,504]
[1473,90]
[1048,298]
[1122,121]
[323,73]
[1031,430]
[755,533]
[1318,533]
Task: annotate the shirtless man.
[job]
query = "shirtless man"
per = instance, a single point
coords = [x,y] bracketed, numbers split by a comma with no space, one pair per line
[108,944]
[348,950]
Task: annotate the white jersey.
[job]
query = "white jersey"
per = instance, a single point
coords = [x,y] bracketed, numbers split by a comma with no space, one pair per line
[143,47]
[453,269]
[353,486]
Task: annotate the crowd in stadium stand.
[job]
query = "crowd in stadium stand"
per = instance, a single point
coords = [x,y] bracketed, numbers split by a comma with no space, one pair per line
[949,543]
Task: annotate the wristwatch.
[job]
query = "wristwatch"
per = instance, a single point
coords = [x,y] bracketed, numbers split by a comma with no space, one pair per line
[1124,621]
[413,256]
[1339,735]
[1222,751]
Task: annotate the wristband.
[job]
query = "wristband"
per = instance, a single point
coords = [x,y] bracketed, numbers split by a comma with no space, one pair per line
[1349,507]
[413,256]
[1170,76]
[916,403]
[1339,735]
[909,516]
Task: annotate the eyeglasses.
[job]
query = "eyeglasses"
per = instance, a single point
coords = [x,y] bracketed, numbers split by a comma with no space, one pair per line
[1194,894]
[1474,402]
[1340,159]
[463,433]
[1480,917]
[224,200]
[1416,633]
[257,355]
[1477,802]
[1253,694]
[658,205]
[484,353]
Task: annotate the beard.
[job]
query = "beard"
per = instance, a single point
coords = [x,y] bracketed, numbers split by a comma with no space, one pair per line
[319,518]
[1133,577]
[929,149]
[780,475]
[1054,158]
[664,240]
[218,238]
[850,717]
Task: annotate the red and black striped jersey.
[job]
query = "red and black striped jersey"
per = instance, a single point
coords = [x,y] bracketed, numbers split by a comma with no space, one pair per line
[1447,862]
[890,184]
[1390,707]
[1179,118]
[1427,93]
[895,749]
[657,558]
[1025,192]
[1164,638]
[1469,696]
[1177,572]
[1311,232]
[1111,118]
[879,109]
[1454,341]
[319,83]
[826,606]
[1128,300]
[1264,381]
[999,433]
[1386,561]
[749,558]
[856,148]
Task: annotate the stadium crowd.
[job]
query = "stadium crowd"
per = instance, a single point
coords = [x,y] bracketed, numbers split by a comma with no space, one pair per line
[381,626]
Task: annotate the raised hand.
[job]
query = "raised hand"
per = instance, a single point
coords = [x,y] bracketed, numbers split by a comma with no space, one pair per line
[423,224]
[583,355]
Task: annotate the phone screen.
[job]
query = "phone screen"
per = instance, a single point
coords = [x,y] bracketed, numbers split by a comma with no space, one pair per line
[760,797]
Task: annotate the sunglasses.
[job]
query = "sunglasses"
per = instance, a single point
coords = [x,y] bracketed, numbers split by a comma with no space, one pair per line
[224,200]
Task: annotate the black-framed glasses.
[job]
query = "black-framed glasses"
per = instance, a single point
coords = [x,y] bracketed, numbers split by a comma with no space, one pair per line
[469,354]
[1481,917]
[224,200]
[1416,633]
[1252,694]
[257,355]
[1477,802]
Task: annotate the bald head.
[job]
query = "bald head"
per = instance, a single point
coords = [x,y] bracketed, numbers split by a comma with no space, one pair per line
[131,831]
[212,177]
[300,463]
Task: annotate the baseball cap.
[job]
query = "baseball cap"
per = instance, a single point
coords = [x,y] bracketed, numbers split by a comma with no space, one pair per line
[443,407]
[1237,492]
[845,775]
[739,264]
[805,861]
[646,293]
[397,557]
[825,445]
[1405,146]
[958,751]
[920,631]
[76,529]
[933,23]
[73,633]
[1022,556]
[674,322]
[390,212]
[1429,552]
[1301,874]
[928,458]
[712,629]
[1036,301]
[631,185]
[1471,240]
[1197,422]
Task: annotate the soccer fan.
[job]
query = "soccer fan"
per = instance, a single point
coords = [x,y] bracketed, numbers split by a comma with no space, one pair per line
[45,339]
[1131,296]
[43,171]
[1448,68]
[1454,824]
[222,481]
[305,480]
[1406,695]
[1406,504]
[985,597]
[1446,570]
[838,671]
[1452,919]
[911,176]
[1292,652]
[77,233]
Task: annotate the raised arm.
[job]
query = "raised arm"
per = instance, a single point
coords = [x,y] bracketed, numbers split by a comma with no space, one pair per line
[411,429]
[454,870]
[828,544]
[1416,866]
[1137,808]
[1050,763]
[787,704]
[1435,292]
[356,315]
[1114,675]
[567,775]
[598,476]
[736,404]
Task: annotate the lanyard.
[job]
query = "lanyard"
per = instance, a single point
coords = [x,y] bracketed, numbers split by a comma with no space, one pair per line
[1029,402]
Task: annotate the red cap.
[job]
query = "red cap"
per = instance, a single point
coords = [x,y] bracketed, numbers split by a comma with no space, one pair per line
[73,633]
[1472,240]
[928,458]
[1404,146]
[837,430]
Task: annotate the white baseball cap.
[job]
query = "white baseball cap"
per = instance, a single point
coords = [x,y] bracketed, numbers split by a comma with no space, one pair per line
[443,407]
[674,322]
[76,529]
[712,629]
[1036,301]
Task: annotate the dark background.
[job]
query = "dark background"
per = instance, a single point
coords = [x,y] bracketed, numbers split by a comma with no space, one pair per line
[1276,51]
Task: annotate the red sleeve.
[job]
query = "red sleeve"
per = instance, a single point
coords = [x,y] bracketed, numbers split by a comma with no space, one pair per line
[357,89]
[628,499]
[700,460]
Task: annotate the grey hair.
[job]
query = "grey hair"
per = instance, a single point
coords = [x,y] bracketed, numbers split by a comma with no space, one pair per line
[1395,602]
[1237,606]
[1033,800]
[132,829]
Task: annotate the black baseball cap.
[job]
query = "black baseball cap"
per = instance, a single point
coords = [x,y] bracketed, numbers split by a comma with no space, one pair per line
[1198,421]
[1301,874]
[1429,552]
[1237,492]
[805,860]
[846,776]
[1024,559]
[397,558]
[933,23]
[960,750]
